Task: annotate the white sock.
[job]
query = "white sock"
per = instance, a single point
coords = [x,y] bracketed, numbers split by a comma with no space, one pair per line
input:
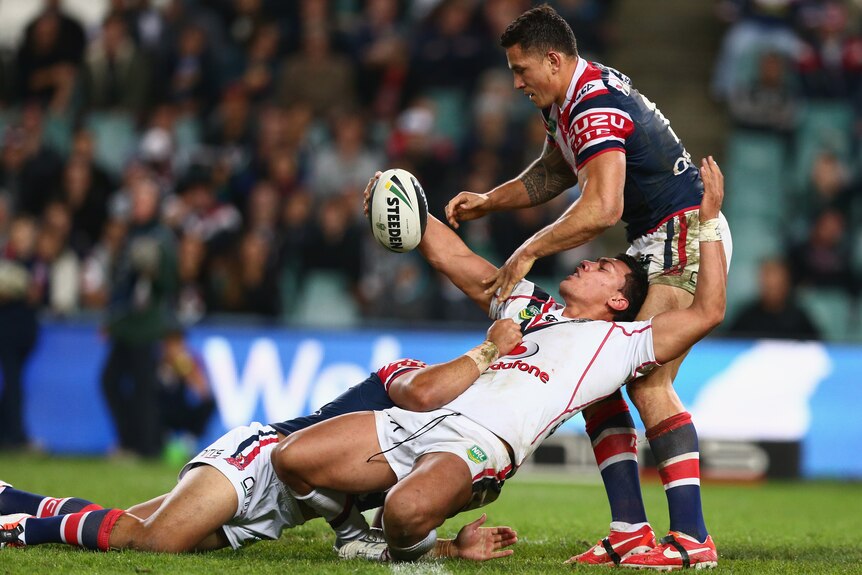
[624,527]
[415,551]
[339,511]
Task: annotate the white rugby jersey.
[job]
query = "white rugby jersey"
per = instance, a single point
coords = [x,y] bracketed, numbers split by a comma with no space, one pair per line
[561,366]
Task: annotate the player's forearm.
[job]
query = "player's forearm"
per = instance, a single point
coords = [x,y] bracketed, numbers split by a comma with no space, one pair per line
[449,255]
[437,385]
[710,296]
[583,221]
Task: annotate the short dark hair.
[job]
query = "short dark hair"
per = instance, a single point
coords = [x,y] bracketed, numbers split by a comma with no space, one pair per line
[635,288]
[540,28]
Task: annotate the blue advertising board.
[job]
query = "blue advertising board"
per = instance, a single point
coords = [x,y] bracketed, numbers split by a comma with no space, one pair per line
[799,392]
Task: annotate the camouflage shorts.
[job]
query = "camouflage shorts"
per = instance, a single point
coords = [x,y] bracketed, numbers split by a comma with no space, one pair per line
[671,251]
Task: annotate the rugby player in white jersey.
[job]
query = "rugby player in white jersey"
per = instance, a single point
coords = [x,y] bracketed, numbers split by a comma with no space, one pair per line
[438,463]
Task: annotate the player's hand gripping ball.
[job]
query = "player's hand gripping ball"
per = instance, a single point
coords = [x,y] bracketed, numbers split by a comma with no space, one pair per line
[398,210]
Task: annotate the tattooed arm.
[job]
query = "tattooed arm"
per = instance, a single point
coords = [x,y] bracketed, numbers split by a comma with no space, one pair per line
[600,206]
[543,180]
[547,177]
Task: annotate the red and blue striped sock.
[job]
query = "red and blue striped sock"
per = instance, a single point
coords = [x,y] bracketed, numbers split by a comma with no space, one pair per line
[612,433]
[88,529]
[15,501]
[675,447]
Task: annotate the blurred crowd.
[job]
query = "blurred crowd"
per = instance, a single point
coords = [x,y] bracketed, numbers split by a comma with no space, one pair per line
[790,74]
[208,157]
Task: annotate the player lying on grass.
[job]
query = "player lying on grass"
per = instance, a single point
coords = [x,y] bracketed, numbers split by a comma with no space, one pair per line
[438,463]
[228,495]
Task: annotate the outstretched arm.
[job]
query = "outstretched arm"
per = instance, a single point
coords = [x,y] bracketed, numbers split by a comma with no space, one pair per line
[676,331]
[546,178]
[600,206]
[449,255]
[436,385]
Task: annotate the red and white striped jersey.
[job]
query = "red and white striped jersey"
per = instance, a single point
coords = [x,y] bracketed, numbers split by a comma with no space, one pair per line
[561,366]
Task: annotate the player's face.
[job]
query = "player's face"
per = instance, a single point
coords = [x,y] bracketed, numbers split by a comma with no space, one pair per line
[595,282]
[532,73]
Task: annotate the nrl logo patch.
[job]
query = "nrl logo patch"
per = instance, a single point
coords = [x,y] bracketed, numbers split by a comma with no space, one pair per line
[552,127]
[529,311]
[476,454]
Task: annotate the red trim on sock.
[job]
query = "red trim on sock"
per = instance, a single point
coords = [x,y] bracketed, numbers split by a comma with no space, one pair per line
[687,469]
[614,445]
[91,507]
[605,412]
[669,424]
[104,537]
[70,528]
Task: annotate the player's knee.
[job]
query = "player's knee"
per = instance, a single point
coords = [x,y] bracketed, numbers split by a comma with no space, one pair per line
[408,517]
[287,460]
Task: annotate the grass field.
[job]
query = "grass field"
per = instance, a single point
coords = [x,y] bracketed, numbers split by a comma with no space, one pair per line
[780,528]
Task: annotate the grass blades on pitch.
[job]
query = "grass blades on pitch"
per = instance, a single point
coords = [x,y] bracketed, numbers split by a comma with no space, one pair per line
[774,528]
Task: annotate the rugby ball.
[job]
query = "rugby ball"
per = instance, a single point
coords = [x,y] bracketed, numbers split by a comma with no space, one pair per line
[398,210]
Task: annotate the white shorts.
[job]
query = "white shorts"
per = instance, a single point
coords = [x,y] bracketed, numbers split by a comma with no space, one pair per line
[673,249]
[264,507]
[407,435]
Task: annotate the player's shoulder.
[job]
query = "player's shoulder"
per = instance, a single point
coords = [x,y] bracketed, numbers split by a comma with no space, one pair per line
[526,301]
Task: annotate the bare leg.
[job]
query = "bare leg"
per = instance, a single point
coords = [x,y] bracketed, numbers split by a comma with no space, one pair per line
[437,488]
[654,395]
[189,518]
[340,454]
[669,428]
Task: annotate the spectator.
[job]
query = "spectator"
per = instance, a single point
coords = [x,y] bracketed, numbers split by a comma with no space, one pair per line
[823,259]
[97,265]
[86,196]
[56,270]
[830,62]
[775,313]
[379,47]
[197,211]
[259,67]
[116,75]
[143,294]
[343,166]
[316,76]
[250,283]
[191,259]
[190,73]
[185,397]
[46,72]
[18,327]
[28,168]
[770,101]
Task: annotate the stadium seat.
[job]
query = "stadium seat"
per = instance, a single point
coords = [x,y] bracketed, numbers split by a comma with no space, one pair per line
[831,309]
[823,125]
[449,113]
[115,139]
[755,179]
[57,132]
[325,301]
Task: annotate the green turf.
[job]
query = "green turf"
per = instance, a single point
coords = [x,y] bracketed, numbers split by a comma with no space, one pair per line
[780,528]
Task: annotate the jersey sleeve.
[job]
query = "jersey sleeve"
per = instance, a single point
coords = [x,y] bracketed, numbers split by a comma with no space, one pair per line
[636,346]
[389,373]
[599,125]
